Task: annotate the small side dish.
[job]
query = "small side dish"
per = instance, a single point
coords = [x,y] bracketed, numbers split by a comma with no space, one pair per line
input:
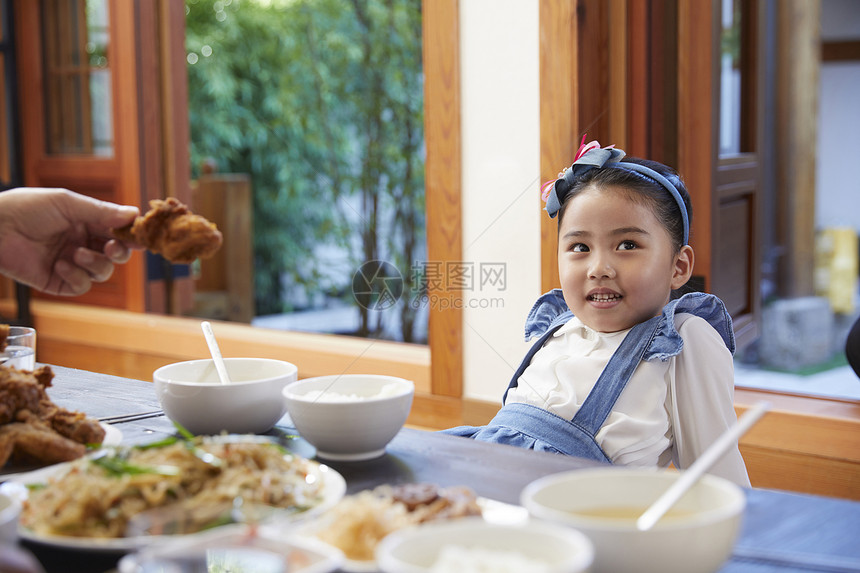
[360,521]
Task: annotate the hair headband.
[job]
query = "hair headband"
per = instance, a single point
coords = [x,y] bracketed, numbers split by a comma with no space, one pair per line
[592,155]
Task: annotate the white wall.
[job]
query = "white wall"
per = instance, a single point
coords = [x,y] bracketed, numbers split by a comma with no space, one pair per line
[501,197]
[837,191]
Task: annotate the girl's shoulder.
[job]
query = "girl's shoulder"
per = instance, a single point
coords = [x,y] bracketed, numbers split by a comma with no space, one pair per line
[710,309]
[696,330]
[548,311]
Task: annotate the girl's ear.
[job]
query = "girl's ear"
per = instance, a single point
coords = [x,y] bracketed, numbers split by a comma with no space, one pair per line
[683,267]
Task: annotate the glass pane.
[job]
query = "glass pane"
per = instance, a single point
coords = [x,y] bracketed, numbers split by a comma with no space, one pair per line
[730,78]
[321,103]
[78,103]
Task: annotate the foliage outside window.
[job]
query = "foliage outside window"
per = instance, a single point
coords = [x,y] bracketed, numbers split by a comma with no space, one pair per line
[321,102]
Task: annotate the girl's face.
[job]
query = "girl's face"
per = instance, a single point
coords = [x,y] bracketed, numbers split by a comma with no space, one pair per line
[615,260]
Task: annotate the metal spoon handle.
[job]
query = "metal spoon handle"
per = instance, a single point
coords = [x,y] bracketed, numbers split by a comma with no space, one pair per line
[689,476]
[215,352]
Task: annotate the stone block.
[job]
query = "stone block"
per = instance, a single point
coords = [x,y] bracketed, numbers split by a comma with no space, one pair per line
[797,333]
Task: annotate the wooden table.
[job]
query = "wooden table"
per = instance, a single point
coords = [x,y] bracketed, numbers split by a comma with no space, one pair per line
[782,532]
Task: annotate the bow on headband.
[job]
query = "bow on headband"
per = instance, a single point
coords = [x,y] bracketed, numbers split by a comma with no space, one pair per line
[588,157]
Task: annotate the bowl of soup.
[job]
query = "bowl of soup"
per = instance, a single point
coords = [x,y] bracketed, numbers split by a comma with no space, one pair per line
[193,396]
[349,417]
[695,536]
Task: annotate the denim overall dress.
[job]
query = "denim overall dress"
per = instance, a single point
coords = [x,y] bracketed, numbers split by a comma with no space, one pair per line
[529,426]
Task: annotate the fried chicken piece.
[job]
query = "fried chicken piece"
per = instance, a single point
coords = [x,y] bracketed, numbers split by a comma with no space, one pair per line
[7,446]
[77,426]
[170,229]
[32,427]
[38,442]
[19,390]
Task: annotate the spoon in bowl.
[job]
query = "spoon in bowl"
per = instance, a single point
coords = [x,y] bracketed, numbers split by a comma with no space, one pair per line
[692,474]
[215,352]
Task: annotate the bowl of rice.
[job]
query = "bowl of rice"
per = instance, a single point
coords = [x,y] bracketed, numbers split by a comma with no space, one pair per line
[472,545]
[349,417]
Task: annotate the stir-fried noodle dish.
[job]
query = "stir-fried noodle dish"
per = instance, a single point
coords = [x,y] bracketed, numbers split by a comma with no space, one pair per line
[100,494]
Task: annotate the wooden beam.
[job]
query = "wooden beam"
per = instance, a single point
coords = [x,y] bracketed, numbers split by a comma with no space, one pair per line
[798,28]
[697,129]
[133,344]
[558,113]
[441,28]
[845,51]
[618,65]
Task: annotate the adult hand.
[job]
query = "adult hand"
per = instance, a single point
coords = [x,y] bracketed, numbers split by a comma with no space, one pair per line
[58,241]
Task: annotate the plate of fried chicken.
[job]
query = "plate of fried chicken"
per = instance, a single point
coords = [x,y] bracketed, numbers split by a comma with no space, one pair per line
[35,432]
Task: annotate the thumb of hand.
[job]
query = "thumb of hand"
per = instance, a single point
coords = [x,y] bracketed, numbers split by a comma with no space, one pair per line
[96,213]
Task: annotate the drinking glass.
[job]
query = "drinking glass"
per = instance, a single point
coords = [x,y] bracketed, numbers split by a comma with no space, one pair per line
[20,349]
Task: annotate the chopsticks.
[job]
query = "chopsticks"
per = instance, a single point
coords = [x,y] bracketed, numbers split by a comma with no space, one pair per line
[131,417]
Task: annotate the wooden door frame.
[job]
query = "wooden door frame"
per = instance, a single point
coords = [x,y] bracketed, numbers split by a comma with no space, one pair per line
[115,178]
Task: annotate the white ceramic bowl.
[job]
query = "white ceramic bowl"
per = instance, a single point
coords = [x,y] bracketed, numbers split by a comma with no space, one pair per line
[192,395]
[472,544]
[696,536]
[10,511]
[349,416]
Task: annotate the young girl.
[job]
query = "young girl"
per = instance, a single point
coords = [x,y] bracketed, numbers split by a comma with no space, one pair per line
[621,372]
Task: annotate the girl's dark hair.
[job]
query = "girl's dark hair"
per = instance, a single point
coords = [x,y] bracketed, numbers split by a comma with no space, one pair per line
[643,188]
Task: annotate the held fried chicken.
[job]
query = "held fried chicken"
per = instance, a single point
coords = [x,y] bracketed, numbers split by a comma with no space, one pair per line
[33,428]
[170,229]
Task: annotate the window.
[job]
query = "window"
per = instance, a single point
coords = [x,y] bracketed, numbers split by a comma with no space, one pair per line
[321,103]
[78,108]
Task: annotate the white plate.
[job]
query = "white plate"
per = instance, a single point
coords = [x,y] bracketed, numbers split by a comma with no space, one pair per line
[113,437]
[334,488]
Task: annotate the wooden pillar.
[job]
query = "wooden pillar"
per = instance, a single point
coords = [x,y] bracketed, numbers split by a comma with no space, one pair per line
[799,47]
[558,114]
[441,25]
[697,131]
[225,287]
